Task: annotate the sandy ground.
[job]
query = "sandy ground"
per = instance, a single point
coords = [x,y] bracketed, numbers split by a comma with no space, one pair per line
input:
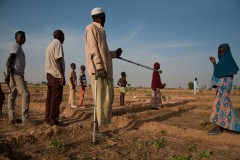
[177,132]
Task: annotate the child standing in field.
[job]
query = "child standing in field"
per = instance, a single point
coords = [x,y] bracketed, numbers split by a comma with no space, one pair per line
[72,85]
[122,82]
[83,85]
[156,101]
[195,86]
[2,98]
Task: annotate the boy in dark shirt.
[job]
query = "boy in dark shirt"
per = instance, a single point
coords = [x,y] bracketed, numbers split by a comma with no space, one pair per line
[83,85]
[122,82]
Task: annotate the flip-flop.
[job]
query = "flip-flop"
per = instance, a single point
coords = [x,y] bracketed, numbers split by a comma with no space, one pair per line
[58,123]
[102,135]
[154,108]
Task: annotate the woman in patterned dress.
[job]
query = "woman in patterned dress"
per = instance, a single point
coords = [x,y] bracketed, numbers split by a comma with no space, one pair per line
[223,115]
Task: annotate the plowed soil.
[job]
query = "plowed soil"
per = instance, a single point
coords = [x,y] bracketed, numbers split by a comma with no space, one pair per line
[177,132]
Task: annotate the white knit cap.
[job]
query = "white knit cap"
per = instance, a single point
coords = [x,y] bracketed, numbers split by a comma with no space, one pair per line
[96,11]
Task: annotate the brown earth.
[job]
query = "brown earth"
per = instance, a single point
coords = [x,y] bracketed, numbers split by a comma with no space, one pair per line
[177,132]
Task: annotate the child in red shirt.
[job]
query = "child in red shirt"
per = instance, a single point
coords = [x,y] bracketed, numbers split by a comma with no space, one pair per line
[156,101]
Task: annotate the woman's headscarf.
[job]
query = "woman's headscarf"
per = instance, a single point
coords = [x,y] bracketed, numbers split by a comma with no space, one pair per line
[226,65]
[156,80]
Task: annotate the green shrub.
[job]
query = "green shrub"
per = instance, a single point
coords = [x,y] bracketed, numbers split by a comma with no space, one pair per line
[190,85]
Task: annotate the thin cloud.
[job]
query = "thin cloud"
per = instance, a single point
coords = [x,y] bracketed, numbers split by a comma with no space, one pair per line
[7,26]
[167,45]
[130,37]
[168,49]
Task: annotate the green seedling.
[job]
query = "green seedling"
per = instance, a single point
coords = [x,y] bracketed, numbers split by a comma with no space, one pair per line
[134,139]
[145,143]
[192,147]
[203,154]
[180,158]
[160,143]
[57,144]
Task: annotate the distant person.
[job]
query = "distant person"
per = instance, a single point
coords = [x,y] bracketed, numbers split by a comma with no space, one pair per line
[2,99]
[122,82]
[72,86]
[16,64]
[55,69]
[223,115]
[96,43]
[156,101]
[195,86]
[83,85]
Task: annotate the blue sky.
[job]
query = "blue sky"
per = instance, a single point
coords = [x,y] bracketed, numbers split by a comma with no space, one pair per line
[181,35]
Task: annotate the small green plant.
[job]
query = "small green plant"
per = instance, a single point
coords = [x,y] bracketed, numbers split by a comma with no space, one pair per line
[163,97]
[57,144]
[134,139]
[203,154]
[148,94]
[180,158]
[192,147]
[133,143]
[160,143]
[145,143]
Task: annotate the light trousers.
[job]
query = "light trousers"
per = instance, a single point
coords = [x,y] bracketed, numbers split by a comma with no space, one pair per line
[105,95]
[71,98]
[18,85]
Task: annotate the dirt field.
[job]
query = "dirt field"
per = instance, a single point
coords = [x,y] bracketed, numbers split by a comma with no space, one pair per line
[177,132]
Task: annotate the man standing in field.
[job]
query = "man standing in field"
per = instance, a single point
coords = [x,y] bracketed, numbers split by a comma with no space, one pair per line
[55,69]
[96,43]
[16,64]
[195,85]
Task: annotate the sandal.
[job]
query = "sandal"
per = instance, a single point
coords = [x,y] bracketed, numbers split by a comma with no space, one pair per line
[58,123]
[102,135]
